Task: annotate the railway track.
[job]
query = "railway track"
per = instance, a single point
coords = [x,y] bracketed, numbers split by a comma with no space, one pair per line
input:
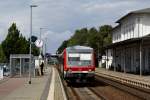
[141,93]
[81,92]
[101,89]
[97,91]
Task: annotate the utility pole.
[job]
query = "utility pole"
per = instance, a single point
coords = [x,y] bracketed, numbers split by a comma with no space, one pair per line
[40,40]
[45,58]
[31,6]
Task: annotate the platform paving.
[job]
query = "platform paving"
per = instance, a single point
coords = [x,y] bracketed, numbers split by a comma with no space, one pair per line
[47,87]
[56,90]
[59,93]
[19,89]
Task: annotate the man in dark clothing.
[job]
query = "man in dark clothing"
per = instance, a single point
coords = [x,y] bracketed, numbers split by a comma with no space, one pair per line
[42,65]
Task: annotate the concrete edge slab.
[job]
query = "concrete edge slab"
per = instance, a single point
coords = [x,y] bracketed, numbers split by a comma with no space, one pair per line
[62,88]
[51,89]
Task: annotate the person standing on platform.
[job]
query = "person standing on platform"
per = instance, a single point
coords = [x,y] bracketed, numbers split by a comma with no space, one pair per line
[41,66]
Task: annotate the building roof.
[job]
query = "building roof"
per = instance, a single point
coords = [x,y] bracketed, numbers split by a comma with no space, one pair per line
[122,42]
[128,41]
[146,10]
[20,55]
[116,27]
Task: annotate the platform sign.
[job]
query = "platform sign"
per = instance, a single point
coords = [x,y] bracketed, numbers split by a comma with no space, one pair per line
[1,72]
[39,43]
[37,65]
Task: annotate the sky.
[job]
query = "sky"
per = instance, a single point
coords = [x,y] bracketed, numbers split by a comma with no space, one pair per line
[60,18]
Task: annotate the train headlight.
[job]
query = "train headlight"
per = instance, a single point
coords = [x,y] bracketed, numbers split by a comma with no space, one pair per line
[90,70]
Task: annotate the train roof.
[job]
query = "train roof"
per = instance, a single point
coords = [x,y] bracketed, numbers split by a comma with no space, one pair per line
[79,48]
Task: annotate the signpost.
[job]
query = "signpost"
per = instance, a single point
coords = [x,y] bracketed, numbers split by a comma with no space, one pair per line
[39,44]
[1,72]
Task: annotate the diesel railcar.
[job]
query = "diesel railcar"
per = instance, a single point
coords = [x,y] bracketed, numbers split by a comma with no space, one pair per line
[78,63]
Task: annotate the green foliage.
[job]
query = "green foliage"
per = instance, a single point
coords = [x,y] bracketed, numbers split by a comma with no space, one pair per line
[105,32]
[2,55]
[15,43]
[95,38]
[12,43]
[80,37]
[35,50]
[62,47]
[106,37]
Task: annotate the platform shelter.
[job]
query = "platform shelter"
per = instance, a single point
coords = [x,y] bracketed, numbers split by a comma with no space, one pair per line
[19,65]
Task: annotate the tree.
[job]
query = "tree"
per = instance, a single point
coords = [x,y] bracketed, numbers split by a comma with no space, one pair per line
[79,38]
[15,43]
[106,37]
[62,47]
[11,45]
[35,50]
[23,45]
[94,38]
[2,55]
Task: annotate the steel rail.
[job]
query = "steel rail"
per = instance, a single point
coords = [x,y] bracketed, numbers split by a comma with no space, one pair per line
[125,87]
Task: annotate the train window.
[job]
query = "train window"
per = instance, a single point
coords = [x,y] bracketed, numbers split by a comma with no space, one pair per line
[79,59]
[85,56]
[73,58]
[74,55]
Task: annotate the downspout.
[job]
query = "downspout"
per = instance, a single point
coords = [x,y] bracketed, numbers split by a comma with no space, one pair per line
[138,26]
[141,42]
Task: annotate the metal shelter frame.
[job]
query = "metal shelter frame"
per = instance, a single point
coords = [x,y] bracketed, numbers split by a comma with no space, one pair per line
[19,59]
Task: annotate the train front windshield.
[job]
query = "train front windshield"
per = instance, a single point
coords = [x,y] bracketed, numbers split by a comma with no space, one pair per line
[80,59]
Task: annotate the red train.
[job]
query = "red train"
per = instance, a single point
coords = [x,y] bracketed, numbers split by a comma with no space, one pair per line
[78,63]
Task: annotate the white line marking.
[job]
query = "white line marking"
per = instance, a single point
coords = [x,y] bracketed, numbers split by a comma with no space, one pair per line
[51,89]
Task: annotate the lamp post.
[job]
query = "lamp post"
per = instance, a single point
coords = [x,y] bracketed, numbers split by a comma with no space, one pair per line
[41,49]
[41,40]
[45,45]
[31,6]
[45,58]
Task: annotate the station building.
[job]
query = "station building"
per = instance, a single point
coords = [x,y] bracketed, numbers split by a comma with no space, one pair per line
[130,48]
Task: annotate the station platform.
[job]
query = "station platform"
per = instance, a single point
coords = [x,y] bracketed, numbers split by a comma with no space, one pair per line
[46,87]
[141,81]
[56,90]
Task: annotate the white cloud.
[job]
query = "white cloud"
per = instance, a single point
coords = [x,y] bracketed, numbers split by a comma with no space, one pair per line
[62,17]
[105,6]
[54,39]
